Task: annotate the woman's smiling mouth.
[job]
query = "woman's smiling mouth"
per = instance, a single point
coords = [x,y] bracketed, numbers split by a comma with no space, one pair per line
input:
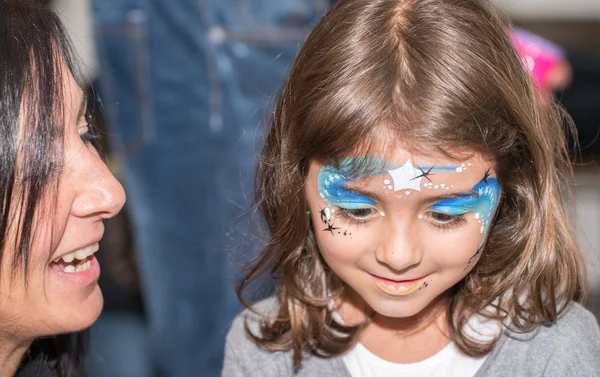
[79,266]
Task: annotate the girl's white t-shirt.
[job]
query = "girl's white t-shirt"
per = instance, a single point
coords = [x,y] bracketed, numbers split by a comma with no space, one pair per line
[449,362]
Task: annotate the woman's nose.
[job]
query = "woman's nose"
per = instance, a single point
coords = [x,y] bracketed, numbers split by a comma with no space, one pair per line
[100,193]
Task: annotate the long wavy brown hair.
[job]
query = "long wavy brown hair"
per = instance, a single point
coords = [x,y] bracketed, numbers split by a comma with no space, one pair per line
[435,73]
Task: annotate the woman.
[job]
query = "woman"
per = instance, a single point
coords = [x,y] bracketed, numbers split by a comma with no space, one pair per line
[55,189]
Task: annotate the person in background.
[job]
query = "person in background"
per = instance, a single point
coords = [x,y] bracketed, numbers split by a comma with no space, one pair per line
[56,191]
[186,85]
[546,62]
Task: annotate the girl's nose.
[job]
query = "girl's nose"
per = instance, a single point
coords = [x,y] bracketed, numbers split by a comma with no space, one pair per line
[399,248]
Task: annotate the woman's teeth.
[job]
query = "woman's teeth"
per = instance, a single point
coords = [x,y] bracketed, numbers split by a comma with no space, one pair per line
[80,254]
[80,267]
[76,261]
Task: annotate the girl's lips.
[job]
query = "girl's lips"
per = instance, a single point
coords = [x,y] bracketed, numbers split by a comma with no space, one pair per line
[398,287]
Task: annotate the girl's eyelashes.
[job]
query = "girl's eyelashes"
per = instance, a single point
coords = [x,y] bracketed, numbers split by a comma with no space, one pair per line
[358,215]
[445,220]
[438,219]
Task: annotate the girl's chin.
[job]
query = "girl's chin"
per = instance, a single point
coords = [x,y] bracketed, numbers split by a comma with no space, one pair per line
[407,307]
[394,311]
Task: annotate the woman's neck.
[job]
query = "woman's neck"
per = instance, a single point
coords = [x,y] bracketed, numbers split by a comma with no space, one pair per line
[11,353]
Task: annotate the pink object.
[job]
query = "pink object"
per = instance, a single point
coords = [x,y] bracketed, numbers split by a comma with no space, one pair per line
[539,55]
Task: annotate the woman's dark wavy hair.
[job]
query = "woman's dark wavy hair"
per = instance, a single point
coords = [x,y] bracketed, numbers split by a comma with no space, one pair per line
[443,75]
[33,53]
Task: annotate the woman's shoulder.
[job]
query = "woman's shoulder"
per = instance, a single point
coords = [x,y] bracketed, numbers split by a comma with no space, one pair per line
[38,368]
[568,347]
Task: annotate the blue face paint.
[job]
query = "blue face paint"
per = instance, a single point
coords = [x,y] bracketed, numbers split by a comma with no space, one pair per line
[333,188]
[457,206]
[482,202]
[438,168]
[333,183]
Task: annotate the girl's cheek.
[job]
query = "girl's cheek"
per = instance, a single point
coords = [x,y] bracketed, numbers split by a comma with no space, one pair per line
[452,247]
[343,241]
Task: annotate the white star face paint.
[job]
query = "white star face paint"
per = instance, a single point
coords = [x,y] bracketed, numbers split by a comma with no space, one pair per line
[406,177]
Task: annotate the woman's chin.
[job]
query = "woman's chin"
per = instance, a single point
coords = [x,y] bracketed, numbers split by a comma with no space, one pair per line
[75,317]
[89,311]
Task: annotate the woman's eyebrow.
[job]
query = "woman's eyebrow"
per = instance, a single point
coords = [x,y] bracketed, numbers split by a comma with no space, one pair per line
[449,196]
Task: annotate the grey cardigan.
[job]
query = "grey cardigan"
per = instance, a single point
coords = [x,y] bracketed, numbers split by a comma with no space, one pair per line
[570,347]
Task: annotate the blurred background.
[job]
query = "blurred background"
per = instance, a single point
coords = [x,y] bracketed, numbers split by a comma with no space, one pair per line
[575,26]
[152,62]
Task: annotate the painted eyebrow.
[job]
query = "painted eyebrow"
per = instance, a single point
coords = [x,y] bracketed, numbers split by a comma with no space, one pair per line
[428,200]
[368,194]
[448,196]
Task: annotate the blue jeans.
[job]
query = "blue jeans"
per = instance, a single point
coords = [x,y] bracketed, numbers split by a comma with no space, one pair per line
[187,85]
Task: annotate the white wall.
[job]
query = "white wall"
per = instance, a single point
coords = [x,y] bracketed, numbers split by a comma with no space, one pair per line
[552,9]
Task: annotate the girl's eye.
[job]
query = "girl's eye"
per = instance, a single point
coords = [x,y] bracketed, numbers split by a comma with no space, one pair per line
[445,220]
[358,214]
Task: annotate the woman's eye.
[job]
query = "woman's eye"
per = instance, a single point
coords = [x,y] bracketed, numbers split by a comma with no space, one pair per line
[84,133]
[360,214]
[83,130]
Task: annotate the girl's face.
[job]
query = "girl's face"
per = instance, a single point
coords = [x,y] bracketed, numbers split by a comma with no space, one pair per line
[62,294]
[403,235]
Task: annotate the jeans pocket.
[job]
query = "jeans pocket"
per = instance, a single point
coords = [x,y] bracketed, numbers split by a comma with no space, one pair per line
[124,67]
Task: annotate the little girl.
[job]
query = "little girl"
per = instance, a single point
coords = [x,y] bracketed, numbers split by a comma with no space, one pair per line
[414,193]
